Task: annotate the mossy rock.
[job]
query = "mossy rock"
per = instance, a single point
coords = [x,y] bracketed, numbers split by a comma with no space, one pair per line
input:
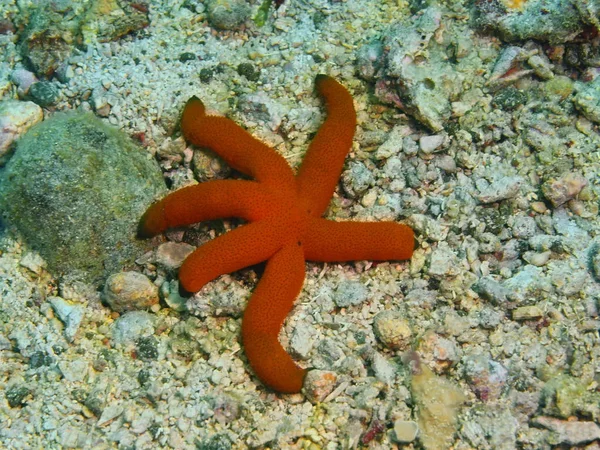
[75,189]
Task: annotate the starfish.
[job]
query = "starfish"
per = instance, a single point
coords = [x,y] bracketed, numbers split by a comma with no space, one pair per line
[284,225]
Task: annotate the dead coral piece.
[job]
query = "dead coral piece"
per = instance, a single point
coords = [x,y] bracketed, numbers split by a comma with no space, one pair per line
[438,402]
[561,190]
[569,433]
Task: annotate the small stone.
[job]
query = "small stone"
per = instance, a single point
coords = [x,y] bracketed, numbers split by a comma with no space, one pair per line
[384,369]
[392,330]
[16,395]
[147,348]
[563,189]
[131,326]
[169,291]
[171,254]
[429,144]
[502,189]
[318,384]
[23,79]
[438,352]
[485,376]
[491,290]
[405,431]
[109,414]
[33,262]
[537,258]
[43,93]
[16,118]
[128,291]
[74,371]
[524,227]
[490,318]
[350,293]
[70,314]
[227,14]
[527,313]
[302,341]
[442,262]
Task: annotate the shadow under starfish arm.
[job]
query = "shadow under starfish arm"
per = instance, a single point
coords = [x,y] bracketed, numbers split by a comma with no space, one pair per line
[271,302]
[212,200]
[328,241]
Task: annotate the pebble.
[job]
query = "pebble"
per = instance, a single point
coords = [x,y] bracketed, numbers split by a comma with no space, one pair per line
[131,326]
[302,341]
[16,117]
[70,314]
[74,371]
[318,384]
[405,431]
[43,93]
[485,376]
[523,227]
[34,262]
[537,259]
[384,369]
[392,330]
[430,144]
[442,262]
[393,143]
[350,293]
[569,432]
[527,312]
[169,291]
[261,108]
[127,291]
[227,14]
[560,190]
[23,79]
[438,352]
[357,179]
[109,414]
[170,255]
[502,189]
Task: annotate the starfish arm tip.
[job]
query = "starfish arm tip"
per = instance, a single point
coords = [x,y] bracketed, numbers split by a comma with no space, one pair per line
[148,225]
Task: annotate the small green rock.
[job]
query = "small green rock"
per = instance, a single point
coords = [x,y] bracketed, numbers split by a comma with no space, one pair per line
[187,56]
[44,93]
[147,348]
[143,376]
[249,71]
[39,359]
[509,98]
[16,395]
[206,74]
[227,14]
[215,442]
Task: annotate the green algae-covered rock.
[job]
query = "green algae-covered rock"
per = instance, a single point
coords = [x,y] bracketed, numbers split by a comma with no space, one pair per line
[76,188]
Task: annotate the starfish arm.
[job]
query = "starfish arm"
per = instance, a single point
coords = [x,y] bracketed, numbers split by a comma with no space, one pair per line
[326,241]
[265,313]
[319,173]
[247,245]
[235,145]
[206,201]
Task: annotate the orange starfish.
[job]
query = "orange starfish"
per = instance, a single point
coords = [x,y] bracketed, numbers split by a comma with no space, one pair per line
[284,226]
